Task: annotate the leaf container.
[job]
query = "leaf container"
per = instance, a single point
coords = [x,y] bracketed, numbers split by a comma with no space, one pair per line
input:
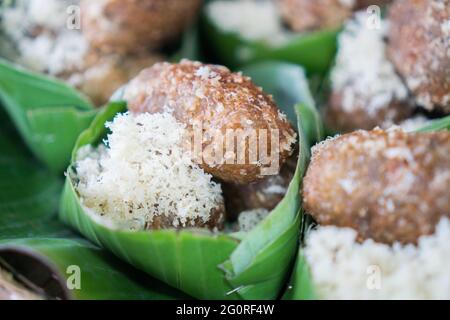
[205,265]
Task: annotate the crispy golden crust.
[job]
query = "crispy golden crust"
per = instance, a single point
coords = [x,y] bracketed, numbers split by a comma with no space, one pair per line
[389,186]
[216,221]
[419,47]
[212,98]
[265,194]
[340,119]
[134,25]
[103,74]
[304,15]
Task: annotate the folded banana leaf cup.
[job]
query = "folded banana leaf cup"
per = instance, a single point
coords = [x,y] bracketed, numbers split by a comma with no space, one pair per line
[205,265]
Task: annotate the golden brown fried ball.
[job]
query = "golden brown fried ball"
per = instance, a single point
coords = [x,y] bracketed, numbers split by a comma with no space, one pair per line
[210,99]
[419,47]
[136,25]
[388,185]
[340,119]
[215,222]
[304,15]
[103,74]
[264,194]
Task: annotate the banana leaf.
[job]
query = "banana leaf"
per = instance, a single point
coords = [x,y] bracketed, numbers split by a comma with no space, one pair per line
[48,114]
[72,268]
[204,265]
[313,50]
[38,248]
[436,125]
[190,46]
[285,81]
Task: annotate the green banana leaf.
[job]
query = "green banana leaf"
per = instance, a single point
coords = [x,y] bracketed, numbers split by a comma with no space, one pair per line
[313,50]
[436,125]
[254,265]
[300,286]
[285,81]
[39,248]
[190,46]
[72,268]
[48,114]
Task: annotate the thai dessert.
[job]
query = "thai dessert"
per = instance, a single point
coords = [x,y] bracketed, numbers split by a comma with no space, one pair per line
[95,46]
[419,44]
[147,173]
[382,202]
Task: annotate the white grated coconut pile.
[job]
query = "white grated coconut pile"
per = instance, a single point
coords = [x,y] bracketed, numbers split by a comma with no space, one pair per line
[143,171]
[341,268]
[36,35]
[251,218]
[254,20]
[362,71]
[415,123]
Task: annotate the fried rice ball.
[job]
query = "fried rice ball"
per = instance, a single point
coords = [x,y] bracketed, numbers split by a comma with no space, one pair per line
[136,25]
[215,103]
[305,15]
[102,74]
[339,119]
[40,41]
[390,186]
[216,221]
[264,194]
[419,47]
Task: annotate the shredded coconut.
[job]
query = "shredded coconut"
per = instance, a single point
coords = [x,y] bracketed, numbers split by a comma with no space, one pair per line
[143,171]
[415,123]
[362,71]
[344,269]
[275,189]
[38,31]
[252,19]
[348,3]
[249,219]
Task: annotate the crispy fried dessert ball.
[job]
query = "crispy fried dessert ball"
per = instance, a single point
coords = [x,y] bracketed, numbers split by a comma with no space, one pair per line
[264,194]
[216,103]
[344,120]
[103,74]
[215,222]
[390,186]
[134,25]
[304,15]
[419,47]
